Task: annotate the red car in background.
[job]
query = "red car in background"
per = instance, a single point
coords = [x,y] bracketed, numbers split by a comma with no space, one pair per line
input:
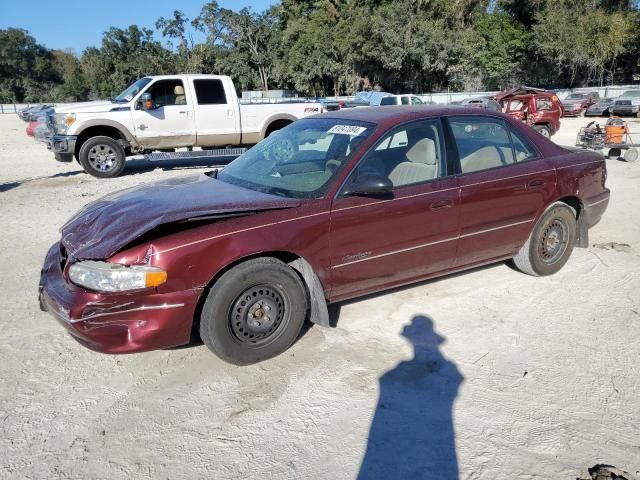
[576,104]
[332,207]
[540,109]
[32,126]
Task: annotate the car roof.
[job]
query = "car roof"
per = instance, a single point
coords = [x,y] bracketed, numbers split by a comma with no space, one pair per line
[402,113]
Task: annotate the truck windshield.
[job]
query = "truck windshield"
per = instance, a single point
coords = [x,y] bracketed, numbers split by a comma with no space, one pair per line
[301,160]
[132,90]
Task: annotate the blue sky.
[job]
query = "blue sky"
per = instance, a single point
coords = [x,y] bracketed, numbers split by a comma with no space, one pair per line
[79,24]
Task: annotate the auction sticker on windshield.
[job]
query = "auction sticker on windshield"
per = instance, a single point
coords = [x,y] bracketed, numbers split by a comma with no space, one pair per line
[352,130]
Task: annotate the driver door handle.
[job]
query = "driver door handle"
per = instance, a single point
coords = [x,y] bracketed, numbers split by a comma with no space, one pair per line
[441,204]
[538,183]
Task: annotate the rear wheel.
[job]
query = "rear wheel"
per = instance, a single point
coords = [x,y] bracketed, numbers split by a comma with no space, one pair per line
[102,157]
[254,311]
[550,243]
[543,130]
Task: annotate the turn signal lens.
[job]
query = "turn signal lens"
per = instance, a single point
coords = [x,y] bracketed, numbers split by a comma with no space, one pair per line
[155,278]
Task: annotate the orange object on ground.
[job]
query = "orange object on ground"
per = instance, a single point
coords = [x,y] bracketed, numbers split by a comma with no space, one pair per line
[615,130]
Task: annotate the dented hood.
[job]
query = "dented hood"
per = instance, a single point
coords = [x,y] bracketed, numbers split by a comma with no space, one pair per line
[107,225]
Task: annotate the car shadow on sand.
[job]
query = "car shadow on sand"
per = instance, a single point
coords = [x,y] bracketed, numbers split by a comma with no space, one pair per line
[412,434]
[5,187]
[140,165]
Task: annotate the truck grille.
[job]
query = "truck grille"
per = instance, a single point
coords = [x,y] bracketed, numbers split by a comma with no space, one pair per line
[623,102]
[51,123]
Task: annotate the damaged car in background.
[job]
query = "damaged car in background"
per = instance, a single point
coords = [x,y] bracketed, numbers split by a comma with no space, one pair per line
[332,207]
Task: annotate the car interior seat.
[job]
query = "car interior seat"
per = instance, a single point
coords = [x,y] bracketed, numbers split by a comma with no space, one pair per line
[178,91]
[486,157]
[420,164]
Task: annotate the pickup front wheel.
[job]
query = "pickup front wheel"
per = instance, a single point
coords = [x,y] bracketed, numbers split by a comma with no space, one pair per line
[102,157]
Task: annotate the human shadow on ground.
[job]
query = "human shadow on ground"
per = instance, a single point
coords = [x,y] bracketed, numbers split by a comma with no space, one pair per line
[412,434]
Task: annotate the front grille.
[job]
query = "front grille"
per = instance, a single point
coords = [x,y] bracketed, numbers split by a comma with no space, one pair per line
[51,123]
[623,102]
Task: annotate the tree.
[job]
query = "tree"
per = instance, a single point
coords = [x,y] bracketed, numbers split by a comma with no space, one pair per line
[125,55]
[26,68]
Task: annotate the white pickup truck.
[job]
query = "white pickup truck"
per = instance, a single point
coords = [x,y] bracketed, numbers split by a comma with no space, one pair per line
[163,113]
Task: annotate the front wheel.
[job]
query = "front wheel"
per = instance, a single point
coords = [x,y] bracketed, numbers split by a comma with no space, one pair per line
[550,243]
[102,157]
[254,311]
[543,130]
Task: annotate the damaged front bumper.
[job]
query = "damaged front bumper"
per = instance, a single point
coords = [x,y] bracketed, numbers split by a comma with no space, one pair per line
[116,323]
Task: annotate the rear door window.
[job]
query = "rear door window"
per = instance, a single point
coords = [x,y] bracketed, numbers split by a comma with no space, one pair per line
[543,104]
[482,143]
[210,92]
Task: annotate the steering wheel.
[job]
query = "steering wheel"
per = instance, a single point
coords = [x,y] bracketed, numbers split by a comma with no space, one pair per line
[282,151]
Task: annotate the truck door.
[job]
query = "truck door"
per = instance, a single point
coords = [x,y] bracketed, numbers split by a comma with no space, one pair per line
[217,114]
[171,122]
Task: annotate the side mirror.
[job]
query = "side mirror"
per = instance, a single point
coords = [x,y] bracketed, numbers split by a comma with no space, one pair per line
[370,185]
[147,102]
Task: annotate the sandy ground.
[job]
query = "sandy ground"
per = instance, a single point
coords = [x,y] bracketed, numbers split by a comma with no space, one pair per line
[513,376]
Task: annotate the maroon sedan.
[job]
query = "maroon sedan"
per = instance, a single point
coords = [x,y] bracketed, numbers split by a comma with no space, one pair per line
[332,207]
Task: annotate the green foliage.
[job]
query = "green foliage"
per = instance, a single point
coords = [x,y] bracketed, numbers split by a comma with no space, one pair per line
[325,47]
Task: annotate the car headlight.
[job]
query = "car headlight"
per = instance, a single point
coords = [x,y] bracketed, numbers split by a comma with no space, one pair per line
[113,277]
[64,121]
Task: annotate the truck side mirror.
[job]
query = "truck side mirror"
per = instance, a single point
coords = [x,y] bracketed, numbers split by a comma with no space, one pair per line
[147,101]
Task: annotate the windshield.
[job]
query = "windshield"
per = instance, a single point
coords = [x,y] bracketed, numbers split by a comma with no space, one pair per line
[576,96]
[301,160]
[631,93]
[132,90]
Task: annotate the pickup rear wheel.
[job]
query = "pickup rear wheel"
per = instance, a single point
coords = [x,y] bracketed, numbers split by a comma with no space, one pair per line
[550,243]
[254,311]
[102,157]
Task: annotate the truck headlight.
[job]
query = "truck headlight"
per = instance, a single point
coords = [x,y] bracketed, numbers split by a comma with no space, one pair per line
[113,277]
[64,121]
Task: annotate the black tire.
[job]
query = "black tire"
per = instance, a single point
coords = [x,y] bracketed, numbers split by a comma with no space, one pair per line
[615,153]
[543,130]
[102,157]
[550,243]
[275,126]
[254,311]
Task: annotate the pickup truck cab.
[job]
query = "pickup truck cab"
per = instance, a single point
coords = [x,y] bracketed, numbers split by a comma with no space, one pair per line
[163,113]
[537,108]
